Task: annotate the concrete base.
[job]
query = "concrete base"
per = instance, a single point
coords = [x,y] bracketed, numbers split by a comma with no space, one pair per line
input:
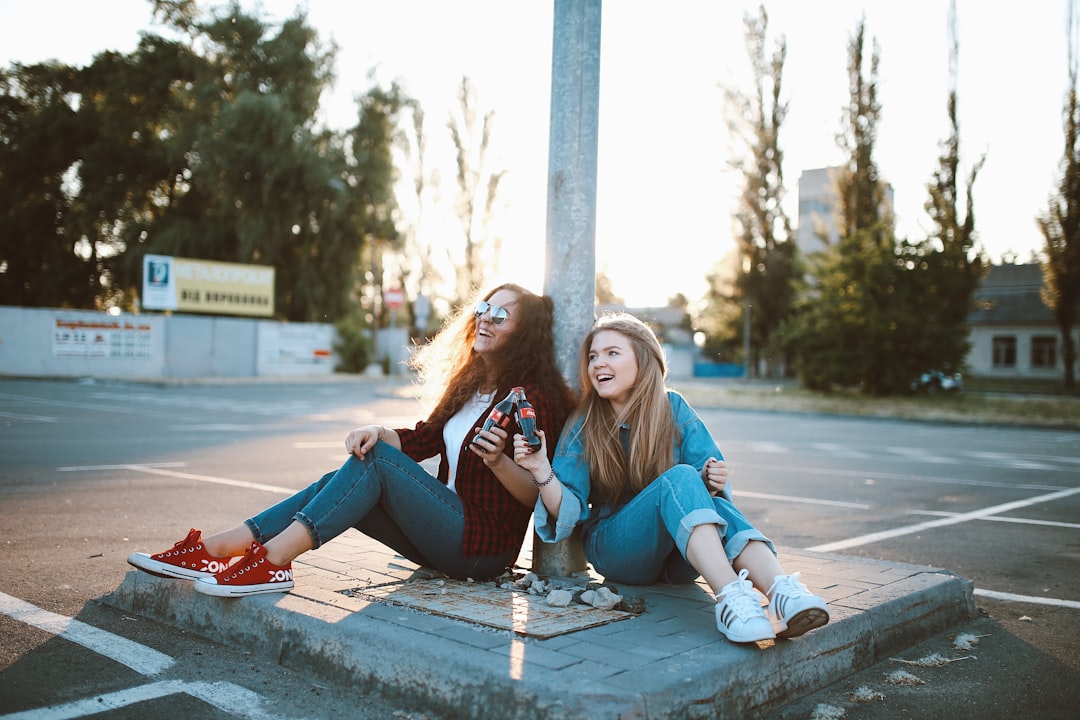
[669,662]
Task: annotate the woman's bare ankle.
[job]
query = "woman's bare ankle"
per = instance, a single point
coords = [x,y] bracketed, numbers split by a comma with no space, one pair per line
[228,544]
[278,558]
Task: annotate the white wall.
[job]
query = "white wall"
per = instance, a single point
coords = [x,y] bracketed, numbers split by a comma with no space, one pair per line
[981,356]
[45,342]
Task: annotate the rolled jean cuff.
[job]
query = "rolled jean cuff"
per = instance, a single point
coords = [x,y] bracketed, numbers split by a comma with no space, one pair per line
[735,544]
[255,531]
[316,541]
[701,516]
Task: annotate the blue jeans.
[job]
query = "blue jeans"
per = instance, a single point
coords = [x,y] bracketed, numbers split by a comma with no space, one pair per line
[390,497]
[645,540]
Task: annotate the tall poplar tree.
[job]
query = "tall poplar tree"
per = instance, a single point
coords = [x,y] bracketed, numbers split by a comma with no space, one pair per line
[765,283]
[849,329]
[1060,224]
[881,310]
[946,268]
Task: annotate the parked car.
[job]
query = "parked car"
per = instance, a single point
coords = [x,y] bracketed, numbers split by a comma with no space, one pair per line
[936,381]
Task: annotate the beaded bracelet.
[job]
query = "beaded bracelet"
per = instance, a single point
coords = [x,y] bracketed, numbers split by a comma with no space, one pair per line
[547,482]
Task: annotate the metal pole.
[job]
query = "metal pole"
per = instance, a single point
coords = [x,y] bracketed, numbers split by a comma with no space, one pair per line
[746,340]
[570,268]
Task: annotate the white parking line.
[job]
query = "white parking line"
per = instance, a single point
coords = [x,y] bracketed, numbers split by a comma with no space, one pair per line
[954,520]
[764,446]
[141,659]
[159,470]
[920,455]
[1018,462]
[122,407]
[804,500]
[939,480]
[837,450]
[227,697]
[1018,521]
[230,698]
[1035,599]
[87,468]
[29,418]
[216,480]
[220,427]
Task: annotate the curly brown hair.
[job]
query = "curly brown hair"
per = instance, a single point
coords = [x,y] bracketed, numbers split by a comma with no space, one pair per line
[451,371]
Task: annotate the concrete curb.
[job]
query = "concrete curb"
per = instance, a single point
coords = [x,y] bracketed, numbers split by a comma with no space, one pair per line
[669,662]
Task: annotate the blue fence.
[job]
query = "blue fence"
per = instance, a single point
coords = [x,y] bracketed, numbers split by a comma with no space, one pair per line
[716,370]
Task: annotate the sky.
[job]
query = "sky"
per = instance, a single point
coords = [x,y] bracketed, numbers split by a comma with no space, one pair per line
[664,194]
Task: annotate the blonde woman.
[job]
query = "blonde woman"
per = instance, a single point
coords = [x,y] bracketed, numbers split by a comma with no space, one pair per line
[638,469]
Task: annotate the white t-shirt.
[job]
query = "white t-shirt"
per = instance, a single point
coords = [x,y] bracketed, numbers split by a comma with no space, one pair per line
[458,427]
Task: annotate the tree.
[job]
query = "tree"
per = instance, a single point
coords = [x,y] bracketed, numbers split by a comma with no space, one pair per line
[477,186]
[722,320]
[861,202]
[370,176]
[947,267]
[130,170]
[418,249]
[204,147]
[39,139]
[605,291]
[765,283]
[850,328]
[882,310]
[262,178]
[1060,224]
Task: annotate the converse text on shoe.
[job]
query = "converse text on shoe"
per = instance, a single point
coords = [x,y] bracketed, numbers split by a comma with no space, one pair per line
[251,575]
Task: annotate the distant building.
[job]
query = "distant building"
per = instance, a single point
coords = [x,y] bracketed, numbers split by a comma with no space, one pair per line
[1013,333]
[817,197]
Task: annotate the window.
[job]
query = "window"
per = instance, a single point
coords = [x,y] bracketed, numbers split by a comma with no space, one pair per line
[1004,351]
[1044,351]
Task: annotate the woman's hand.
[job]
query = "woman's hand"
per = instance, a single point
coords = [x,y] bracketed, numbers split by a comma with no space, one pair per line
[489,445]
[362,439]
[535,461]
[715,475]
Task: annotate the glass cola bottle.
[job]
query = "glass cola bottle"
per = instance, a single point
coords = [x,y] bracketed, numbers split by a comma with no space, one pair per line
[525,414]
[500,414]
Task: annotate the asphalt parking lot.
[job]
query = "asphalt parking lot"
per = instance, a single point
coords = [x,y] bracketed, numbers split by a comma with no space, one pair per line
[93,470]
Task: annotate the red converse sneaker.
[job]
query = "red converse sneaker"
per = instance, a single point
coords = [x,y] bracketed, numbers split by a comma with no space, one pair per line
[251,575]
[187,560]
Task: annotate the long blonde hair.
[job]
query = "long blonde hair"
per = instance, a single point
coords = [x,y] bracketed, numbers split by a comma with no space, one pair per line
[647,413]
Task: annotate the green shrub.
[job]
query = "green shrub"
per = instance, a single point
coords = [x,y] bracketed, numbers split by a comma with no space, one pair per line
[353,345]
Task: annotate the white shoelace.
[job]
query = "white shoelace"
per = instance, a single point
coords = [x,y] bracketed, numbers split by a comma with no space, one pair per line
[739,598]
[788,585]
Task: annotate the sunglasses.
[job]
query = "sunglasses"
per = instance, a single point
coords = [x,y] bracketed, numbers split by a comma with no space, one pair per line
[498,312]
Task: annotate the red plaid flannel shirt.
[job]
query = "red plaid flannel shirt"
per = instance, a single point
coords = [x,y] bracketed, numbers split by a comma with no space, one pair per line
[494,521]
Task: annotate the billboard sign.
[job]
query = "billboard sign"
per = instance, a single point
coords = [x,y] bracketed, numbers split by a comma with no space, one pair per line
[200,286]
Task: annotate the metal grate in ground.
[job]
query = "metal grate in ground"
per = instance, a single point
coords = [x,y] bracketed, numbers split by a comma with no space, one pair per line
[491,606]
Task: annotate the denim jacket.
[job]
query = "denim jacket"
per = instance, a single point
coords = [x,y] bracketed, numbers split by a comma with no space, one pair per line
[694,445]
